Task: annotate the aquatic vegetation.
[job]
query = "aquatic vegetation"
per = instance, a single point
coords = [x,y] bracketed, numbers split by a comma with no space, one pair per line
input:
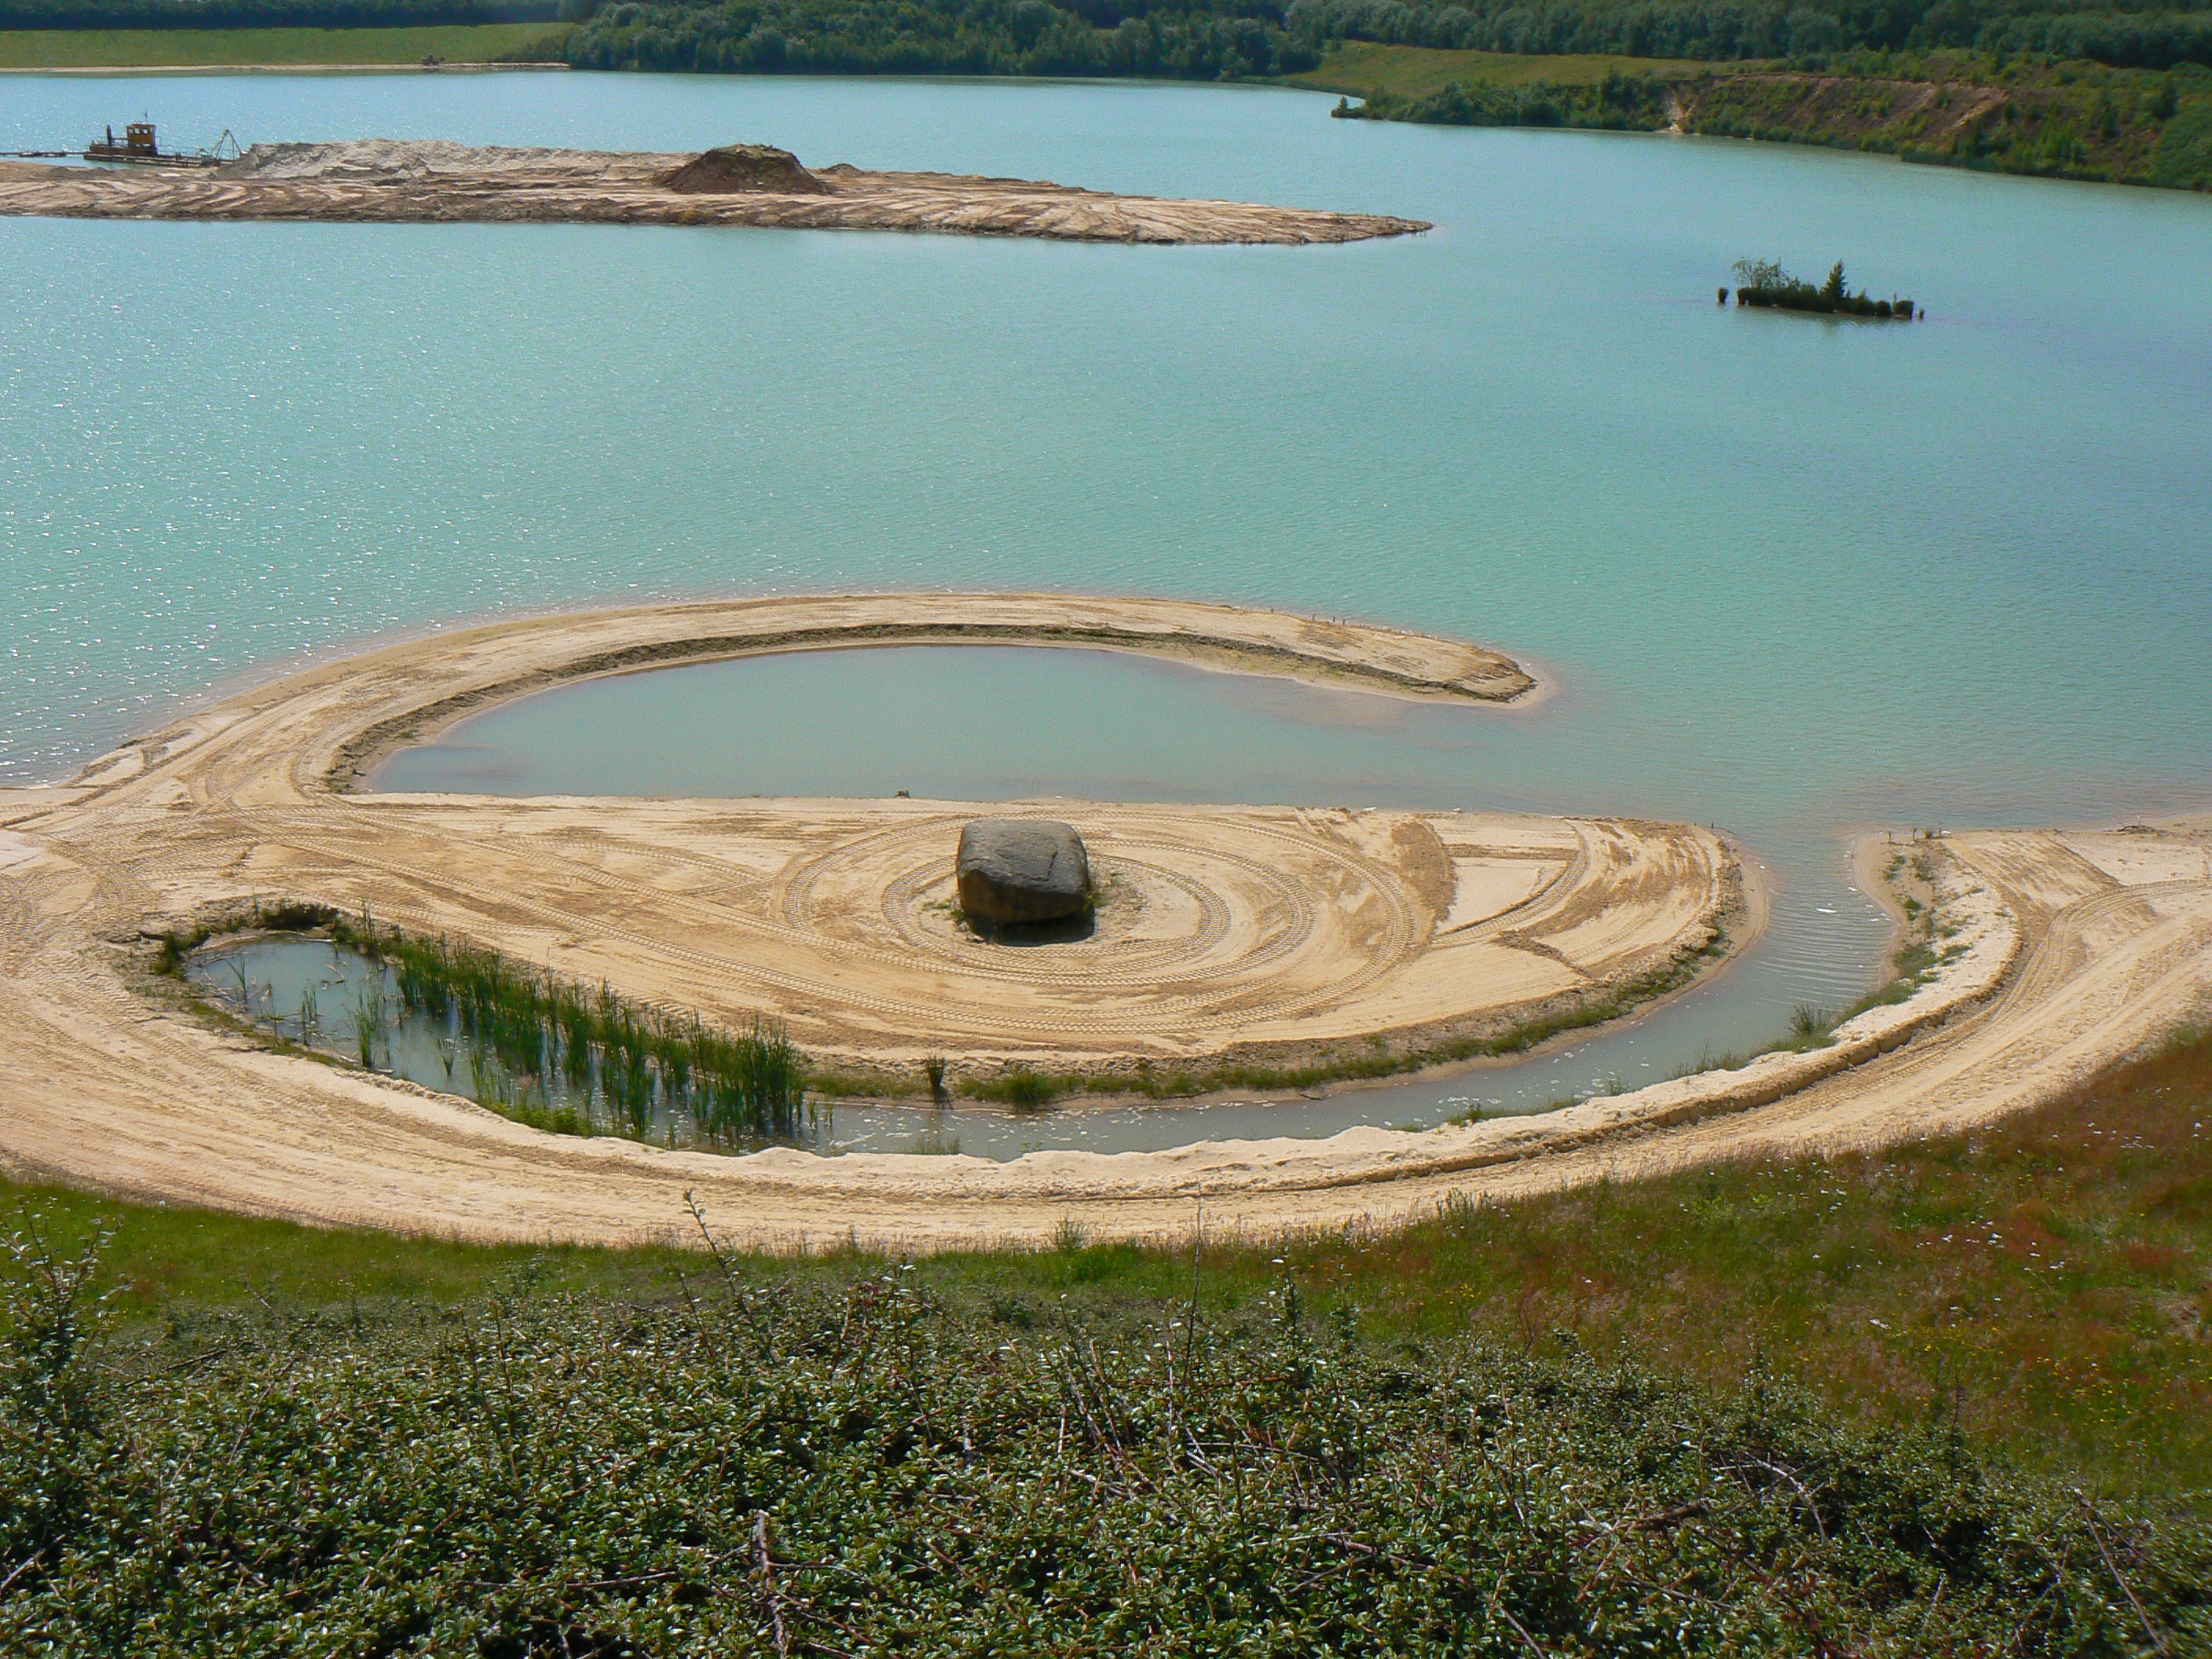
[1020,1087]
[1811,1027]
[283,917]
[538,1050]
[1023,1089]
[736,1089]
[368,1021]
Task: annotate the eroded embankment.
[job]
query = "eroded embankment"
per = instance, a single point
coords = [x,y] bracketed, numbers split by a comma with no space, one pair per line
[2127,126]
[394,180]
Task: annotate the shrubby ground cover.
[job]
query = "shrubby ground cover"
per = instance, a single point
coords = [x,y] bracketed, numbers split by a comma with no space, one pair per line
[866,1470]
[1948,1399]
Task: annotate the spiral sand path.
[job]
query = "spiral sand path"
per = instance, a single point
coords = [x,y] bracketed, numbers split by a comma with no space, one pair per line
[1239,931]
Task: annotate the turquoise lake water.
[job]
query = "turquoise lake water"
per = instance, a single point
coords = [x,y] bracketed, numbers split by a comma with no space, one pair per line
[1792,575]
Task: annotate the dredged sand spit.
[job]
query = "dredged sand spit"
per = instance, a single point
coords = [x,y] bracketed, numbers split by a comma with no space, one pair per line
[394,180]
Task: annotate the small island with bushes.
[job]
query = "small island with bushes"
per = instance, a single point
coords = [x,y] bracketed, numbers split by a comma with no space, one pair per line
[1764,283]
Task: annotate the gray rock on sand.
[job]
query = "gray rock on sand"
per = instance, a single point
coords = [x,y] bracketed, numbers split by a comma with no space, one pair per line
[1017,870]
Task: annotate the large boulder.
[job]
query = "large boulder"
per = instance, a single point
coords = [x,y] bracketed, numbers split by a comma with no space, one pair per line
[1018,870]
[743,169]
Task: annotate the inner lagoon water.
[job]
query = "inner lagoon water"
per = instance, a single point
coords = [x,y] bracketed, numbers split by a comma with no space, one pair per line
[1790,575]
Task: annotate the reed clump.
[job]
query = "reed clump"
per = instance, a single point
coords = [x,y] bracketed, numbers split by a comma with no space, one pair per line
[285,916]
[737,1088]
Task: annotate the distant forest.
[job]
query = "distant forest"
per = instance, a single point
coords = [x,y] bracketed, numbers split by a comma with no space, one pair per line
[2147,37]
[1203,39]
[1184,39]
[267,13]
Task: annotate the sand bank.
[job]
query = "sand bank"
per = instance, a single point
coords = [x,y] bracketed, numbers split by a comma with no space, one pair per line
[392,180]
[491,664]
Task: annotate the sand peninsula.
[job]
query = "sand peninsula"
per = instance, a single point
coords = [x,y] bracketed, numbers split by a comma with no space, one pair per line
[1289,936]
[1275,927]
[390,180]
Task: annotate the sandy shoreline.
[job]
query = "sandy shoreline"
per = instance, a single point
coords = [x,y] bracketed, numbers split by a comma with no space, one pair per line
[392,181]
[2061,952]
[2064,970]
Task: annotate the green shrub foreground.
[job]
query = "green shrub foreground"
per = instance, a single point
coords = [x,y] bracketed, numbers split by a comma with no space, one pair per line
[860,1468]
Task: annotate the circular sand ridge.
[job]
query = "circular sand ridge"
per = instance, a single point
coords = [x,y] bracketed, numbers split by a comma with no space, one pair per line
[1185,925]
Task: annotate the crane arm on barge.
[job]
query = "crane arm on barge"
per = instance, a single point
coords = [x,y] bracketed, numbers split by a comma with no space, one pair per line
[139,148]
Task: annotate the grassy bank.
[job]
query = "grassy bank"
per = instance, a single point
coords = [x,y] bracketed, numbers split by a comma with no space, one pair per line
[2030,115]
[2047,1285]
[485,43]
[867,1470]
[1366,69]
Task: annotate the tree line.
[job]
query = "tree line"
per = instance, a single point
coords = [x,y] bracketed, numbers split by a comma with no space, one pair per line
[1204,39]
[1617,103]
[2153,37]
[268,13]
[1231,39]
[1210,41]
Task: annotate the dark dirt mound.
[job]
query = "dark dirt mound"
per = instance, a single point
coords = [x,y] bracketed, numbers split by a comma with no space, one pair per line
[735,169]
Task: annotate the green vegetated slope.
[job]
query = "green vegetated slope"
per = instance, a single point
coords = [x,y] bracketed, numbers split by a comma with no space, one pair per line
[2109,91]
[478,43]
[1818,1407]
[2069,120]
[1232,38]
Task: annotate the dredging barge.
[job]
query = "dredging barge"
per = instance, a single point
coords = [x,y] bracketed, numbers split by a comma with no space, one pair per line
[139,148]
